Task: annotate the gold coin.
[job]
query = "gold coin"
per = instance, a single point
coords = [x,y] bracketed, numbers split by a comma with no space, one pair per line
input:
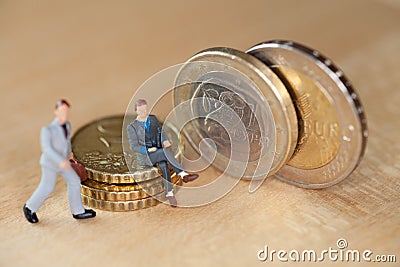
[319,138]
[121,187]
[98,145]
[122,196]
[121,205]
[252,90]
[109,192]
[333,127]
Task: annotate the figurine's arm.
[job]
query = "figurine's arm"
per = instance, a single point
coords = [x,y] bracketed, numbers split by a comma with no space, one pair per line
[69,148]
[47,148]
[134,141]
[164,137]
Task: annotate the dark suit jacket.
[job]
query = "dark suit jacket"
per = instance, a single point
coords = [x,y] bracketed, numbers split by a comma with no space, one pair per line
[137,137]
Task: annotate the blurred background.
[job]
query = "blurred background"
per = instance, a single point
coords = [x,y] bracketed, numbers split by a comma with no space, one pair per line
[97,53]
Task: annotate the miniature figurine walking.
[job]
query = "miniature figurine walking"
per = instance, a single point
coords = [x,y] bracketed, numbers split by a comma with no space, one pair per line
[146,138]
[55,141]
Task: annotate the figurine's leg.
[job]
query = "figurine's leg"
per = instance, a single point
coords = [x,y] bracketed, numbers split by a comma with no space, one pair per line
[166,176]
[74,191]
[45,188]
[176,166]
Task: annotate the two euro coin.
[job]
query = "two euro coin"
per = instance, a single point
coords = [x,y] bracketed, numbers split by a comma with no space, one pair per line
[319,129]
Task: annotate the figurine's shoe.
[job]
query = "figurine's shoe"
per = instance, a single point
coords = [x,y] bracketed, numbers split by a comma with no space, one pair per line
[172,201]
[87,214]
[29,215]
[190,177]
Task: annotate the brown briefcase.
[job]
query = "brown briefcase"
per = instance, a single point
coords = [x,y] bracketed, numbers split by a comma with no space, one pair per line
[79,168]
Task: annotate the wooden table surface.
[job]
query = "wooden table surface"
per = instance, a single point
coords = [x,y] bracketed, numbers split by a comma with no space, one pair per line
[97,53]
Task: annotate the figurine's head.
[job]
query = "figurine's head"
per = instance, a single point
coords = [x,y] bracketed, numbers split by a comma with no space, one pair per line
[61,111]
[141,109]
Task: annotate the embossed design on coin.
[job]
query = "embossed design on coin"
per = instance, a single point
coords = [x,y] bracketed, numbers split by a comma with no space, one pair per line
[319,138]
[105,162]
[236,78]
[210,129]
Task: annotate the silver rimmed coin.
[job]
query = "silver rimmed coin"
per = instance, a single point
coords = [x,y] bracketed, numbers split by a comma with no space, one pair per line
[259,99]
[332,124]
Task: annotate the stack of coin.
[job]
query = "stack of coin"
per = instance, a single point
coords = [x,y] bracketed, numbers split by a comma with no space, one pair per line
[320,130]
[110,185]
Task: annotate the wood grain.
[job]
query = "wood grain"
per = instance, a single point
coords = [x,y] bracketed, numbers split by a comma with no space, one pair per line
[96,53]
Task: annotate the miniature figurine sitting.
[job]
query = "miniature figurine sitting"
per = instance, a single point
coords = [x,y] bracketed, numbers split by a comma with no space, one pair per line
[147,139]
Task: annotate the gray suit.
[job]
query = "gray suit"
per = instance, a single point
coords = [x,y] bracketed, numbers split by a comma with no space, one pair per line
[56,149]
